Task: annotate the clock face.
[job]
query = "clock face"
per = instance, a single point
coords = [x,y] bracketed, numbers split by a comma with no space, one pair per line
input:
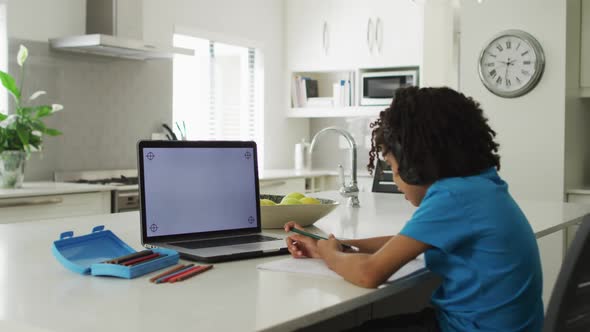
[511,64]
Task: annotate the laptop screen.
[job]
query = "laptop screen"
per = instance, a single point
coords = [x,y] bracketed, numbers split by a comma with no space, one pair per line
[197,189]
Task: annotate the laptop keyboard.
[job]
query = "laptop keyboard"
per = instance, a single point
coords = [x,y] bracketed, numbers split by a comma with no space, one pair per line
[228,241]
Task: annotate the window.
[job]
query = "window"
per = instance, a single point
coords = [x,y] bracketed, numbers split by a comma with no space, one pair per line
[3,56]
[216,93]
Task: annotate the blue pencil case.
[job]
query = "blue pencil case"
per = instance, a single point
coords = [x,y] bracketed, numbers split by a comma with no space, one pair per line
[84,254]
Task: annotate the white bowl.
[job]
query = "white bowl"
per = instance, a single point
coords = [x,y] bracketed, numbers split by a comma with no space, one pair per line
[276,216]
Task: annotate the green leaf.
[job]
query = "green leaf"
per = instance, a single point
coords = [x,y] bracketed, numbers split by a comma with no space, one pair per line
[23,135]
[38,125]
[52,132]
[3,117]
[10,85]
[43,111]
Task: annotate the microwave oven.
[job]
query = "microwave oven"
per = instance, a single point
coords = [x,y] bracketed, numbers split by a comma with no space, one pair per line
[379,87]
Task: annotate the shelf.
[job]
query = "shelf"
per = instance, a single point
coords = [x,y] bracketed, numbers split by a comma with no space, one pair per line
[331,112]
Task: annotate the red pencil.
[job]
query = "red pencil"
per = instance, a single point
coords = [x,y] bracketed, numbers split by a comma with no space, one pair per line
[176,268]
[191,273]
[141,259]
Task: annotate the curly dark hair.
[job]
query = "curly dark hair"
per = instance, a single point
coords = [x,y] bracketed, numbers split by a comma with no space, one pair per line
[440,132]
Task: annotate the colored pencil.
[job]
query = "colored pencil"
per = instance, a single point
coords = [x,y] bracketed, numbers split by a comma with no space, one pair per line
[141,259]
[174,274]
[191,273]
[118,260]
[165,273]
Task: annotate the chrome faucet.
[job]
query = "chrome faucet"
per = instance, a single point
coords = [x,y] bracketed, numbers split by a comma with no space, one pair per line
[351,191]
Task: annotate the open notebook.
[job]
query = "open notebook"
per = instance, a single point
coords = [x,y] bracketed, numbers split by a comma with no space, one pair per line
[318,267]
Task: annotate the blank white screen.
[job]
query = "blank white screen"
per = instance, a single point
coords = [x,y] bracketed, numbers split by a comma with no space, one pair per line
[189,190]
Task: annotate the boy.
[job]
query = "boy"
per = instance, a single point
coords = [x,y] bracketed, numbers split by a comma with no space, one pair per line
[473,234]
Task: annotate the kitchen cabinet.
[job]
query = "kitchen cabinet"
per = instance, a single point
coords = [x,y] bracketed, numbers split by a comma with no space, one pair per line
[585,50]
[337,34]
[551,253]
[581,196]
[309,28]
[19,209]
[282,186]
[305,185]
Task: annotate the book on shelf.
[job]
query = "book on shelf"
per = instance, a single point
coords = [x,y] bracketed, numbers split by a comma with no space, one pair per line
[342,92]
[303,88]
[305,92]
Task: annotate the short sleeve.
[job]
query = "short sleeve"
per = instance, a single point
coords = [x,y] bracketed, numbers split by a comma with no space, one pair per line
[441,221]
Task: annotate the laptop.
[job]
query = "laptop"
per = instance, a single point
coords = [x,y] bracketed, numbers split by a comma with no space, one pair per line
[201,198]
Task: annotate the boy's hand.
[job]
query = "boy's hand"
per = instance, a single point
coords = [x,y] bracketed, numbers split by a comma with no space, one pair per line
[329,245]
[300,246]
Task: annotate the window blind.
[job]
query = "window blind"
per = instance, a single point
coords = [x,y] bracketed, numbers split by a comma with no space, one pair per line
[215,92]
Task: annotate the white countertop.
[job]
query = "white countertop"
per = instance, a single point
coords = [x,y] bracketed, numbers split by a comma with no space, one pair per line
[235,296]
[273,174]
[382,214]
[582,191]
[30,189]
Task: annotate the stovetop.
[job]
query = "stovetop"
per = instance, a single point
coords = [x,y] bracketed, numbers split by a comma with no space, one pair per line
[115,181]
[122,179]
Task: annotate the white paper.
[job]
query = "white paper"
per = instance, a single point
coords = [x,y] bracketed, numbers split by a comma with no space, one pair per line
[317,266]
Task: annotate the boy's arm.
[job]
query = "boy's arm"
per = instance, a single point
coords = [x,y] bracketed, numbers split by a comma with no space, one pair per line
[371,270]
[369,245]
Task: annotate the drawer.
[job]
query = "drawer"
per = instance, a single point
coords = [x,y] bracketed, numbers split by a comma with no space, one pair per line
[578,198]
[54,206]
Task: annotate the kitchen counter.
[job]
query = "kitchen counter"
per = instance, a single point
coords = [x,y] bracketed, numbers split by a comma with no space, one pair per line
[234,296]
[31,189]
[273,174]
[581,191]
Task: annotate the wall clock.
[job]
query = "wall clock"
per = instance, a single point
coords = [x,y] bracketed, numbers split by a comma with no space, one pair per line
[511,64]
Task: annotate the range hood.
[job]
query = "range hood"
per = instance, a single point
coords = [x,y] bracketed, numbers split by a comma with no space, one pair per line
[114,28]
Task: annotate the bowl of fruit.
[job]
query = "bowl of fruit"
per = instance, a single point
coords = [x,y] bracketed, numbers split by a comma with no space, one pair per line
[277,210]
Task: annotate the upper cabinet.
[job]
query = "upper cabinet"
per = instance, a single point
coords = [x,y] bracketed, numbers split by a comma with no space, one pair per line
[348,34]
[585,50]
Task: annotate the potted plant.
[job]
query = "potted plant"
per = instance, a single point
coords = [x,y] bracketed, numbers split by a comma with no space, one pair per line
[22,130]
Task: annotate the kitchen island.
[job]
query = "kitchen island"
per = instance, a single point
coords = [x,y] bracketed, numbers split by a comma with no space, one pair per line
[42,200]
[40,293]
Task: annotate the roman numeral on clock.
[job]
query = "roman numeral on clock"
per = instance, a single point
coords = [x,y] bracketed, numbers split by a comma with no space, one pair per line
[493,73]
[499,47]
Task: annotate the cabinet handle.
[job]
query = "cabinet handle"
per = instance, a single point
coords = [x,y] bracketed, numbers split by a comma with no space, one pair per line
[48,201]
[369,39]
[378,34]
[272,184]
[325,38]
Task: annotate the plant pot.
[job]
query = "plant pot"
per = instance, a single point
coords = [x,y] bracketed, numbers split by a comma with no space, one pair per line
[12,168]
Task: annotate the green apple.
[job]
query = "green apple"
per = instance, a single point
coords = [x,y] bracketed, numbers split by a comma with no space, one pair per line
[309,200]
[290,201]
[267,202]
[295,195]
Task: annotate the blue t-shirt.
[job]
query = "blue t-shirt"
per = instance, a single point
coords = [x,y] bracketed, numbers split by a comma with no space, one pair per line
[486,253]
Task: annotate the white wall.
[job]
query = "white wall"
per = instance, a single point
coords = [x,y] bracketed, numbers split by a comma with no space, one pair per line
[39,20]
[260,21]
[440,44]
[530,128]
